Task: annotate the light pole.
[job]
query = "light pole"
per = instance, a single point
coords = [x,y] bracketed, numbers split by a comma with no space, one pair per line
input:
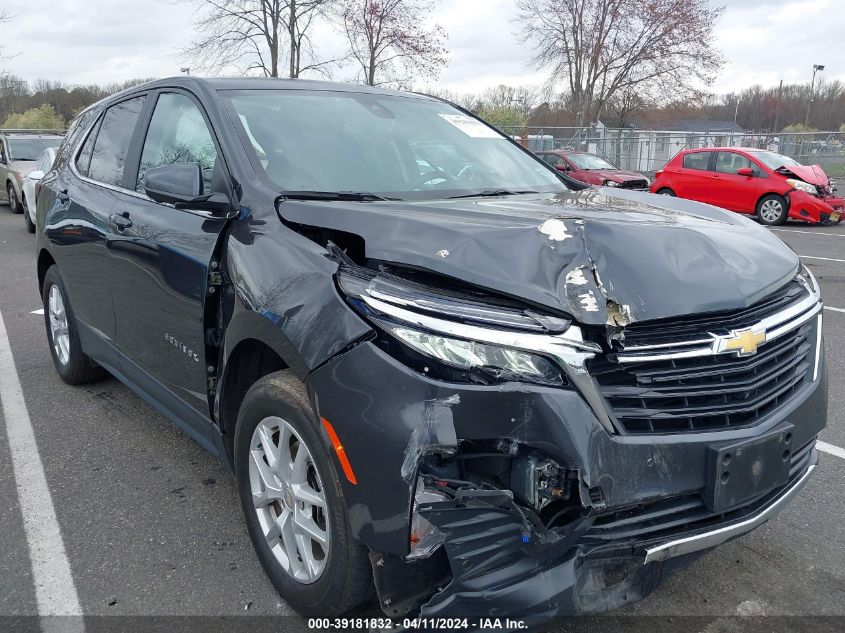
[819,68]
[736,110]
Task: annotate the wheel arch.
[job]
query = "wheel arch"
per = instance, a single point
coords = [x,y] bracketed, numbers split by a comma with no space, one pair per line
[253,348]
[783,196]
[45,260]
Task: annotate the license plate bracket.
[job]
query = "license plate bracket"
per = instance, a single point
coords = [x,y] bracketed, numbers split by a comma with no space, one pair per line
[747,469]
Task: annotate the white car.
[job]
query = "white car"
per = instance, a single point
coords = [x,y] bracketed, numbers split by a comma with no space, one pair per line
[44,164]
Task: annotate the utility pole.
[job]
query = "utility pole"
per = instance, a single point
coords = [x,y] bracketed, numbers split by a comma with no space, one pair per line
[816,67]
[775,128]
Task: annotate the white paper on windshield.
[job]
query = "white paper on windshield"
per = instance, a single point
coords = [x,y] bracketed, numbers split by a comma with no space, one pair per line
[470,127]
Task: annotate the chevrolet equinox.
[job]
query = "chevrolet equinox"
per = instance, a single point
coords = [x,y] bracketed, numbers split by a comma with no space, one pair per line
[443,373]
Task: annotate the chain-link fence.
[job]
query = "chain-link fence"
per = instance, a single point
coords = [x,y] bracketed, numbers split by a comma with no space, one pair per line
[646,151]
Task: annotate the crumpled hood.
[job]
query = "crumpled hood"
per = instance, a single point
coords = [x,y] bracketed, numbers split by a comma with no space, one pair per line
[616,175]
[812,174]
[600,258]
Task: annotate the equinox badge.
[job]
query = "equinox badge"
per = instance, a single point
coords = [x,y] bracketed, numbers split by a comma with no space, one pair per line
[744,342]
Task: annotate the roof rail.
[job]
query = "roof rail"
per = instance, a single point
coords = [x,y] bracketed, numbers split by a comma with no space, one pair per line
[30,131]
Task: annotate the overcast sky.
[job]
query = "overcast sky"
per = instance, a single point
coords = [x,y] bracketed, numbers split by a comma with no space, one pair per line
[102,41]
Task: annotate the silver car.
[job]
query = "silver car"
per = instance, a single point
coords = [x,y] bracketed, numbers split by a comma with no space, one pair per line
[19,151]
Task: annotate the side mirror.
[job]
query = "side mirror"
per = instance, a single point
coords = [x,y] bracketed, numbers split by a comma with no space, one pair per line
[745,171]
[35,175]
[182,186]
[562,167]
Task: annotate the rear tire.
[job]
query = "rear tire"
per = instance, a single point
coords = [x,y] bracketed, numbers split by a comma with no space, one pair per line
[30,227]
[71,363]
[12,197]
[276,412]
[667,192]
[772,210]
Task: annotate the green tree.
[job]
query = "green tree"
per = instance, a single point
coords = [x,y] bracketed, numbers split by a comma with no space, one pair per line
[43,117]
[798,127]
[503,117]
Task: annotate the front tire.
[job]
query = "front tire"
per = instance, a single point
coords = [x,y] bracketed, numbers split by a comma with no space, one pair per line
[30,226]
[12,197]
[666,192]
[71,363]
[293,502]
[772,210]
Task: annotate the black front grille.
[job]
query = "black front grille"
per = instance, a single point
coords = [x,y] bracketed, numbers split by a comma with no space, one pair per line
[683,514]
[634,184]
[710,392]
[664,331]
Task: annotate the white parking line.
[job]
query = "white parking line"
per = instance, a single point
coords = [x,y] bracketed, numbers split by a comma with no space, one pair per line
[810,232]
[834,309]
[830,449]
[826,259]
[38,311]
[55,593]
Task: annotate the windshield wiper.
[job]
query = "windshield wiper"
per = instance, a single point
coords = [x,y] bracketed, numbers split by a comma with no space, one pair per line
[492,193]
[351,196]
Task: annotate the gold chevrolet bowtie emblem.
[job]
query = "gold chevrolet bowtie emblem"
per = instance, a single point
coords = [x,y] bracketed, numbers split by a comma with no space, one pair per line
[745,342]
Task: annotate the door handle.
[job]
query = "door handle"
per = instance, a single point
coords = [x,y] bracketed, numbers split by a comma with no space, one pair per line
[120,221]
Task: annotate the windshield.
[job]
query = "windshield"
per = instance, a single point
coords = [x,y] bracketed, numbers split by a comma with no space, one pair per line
[387,145]
[30,148]
[589,161]
[773,161]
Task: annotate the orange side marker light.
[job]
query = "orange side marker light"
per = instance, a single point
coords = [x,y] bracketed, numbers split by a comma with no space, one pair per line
[341,452]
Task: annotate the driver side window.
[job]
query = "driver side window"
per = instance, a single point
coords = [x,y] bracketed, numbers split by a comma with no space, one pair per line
[178,134]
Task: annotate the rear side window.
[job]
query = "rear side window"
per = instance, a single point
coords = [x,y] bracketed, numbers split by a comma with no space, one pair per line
[178,134]
[74,134]
[696,160]
[112,145]
[83,161]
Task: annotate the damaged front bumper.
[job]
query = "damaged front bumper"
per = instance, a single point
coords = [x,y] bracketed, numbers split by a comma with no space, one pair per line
[809,208]
[535,583]
[634,507]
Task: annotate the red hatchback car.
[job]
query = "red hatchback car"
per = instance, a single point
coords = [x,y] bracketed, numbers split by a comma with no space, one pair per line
[772,186]
[593,170]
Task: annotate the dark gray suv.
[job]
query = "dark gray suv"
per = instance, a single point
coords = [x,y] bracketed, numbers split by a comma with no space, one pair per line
[439,369]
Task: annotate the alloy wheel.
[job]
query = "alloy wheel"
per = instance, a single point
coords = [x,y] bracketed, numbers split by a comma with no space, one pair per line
[58,325]
[13,198]
[771,210]
[289,499]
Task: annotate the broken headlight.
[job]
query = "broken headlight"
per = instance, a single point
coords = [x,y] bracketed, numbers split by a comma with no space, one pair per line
[802,186]
[463,354]
[467,337]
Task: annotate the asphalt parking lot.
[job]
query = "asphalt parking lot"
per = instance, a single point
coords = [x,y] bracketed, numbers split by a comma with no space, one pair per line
[150,524]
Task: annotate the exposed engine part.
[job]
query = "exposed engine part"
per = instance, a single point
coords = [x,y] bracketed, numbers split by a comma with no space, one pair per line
[537,481]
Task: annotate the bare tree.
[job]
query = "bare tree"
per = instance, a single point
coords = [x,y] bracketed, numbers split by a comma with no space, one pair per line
[388,39]
[302,15]
[625,103]
[602,47]
[256,34]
